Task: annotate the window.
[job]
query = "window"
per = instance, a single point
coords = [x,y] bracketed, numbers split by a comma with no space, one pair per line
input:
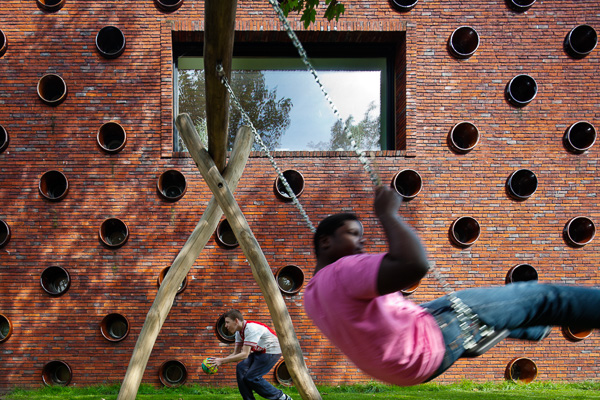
[286,104]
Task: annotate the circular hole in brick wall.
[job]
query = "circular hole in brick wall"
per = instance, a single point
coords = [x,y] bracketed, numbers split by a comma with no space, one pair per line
[282,375]
[521,90]
[110,42]
[171,185]
[580,41]
[168,5]
[579,231]
[55,280]
[3,43]
[172,373]
[521,369]
[222,333]
[296,181]
[521,273]
[463,137]
[111,137]
[410,289]
[54,185]
[580,137]
[3,139]
[114,327]
[408,183]
[520,5]
[52,89]
[4,233]
[290,279]
[463,42]
[56,373]
[403,5]
[521,184]
[225,235]
[162,275]
[576,334]
[465,231]
[50,5]
[113,232]
[6,328]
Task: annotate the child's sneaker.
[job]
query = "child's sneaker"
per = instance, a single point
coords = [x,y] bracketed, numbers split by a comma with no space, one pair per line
[285,397]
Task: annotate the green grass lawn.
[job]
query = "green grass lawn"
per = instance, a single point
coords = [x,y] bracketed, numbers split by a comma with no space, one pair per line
[430,391]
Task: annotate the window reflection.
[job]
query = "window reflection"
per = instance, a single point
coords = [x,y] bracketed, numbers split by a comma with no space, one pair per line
[288,108]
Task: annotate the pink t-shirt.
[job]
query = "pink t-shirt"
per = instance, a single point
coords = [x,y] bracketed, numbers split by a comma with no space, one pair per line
[387,337]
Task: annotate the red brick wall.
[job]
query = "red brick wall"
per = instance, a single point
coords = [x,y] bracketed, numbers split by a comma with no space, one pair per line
[136,91]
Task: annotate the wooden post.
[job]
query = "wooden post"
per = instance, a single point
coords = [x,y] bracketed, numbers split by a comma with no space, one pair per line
[219,29]
[261,271]
[179,269]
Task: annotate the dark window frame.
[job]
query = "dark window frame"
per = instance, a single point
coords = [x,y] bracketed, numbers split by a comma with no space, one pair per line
[389,44]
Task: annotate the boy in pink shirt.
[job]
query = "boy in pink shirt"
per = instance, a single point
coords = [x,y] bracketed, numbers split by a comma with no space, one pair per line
[388,337]
[353,298]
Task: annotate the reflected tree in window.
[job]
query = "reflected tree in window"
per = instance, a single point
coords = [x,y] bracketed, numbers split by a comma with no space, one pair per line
[365,133]
[268,112]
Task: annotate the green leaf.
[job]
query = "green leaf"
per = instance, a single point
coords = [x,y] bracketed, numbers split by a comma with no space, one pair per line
[308,9]
[334,10]
[308,16]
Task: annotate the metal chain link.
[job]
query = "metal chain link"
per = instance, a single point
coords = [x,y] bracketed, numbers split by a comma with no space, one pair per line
[467,318]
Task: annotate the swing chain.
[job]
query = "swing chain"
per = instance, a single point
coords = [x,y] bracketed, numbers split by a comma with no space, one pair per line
[468,320]
[290,192]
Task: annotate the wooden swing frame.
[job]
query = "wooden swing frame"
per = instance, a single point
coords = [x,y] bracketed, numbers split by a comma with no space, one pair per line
[222,180]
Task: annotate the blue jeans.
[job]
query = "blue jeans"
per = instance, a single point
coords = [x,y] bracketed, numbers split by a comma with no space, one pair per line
[527,309]
[250,373]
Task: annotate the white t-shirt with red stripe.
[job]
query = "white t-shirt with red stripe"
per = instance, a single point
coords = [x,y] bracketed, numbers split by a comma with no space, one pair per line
[260,338]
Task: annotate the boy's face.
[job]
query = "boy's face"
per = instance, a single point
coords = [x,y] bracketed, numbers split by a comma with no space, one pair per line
[232,325]
[346,240]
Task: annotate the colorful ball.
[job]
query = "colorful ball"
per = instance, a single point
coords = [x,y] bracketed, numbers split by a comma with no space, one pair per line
[209,368]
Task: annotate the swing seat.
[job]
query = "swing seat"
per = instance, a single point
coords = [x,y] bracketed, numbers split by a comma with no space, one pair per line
[485,344]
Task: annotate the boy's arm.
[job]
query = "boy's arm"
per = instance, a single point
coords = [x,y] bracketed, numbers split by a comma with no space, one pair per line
[240,353]
[406,261]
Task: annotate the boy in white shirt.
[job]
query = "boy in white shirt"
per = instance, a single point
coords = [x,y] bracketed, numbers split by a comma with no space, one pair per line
[257,349]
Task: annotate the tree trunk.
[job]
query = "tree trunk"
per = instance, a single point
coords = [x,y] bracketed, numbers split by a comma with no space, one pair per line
[219,29]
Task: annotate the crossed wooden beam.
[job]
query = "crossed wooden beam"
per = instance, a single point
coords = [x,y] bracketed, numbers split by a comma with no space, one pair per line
[222,181]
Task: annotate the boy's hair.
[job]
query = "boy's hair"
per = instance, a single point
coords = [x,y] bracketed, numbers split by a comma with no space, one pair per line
[329,225]
[233,315]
